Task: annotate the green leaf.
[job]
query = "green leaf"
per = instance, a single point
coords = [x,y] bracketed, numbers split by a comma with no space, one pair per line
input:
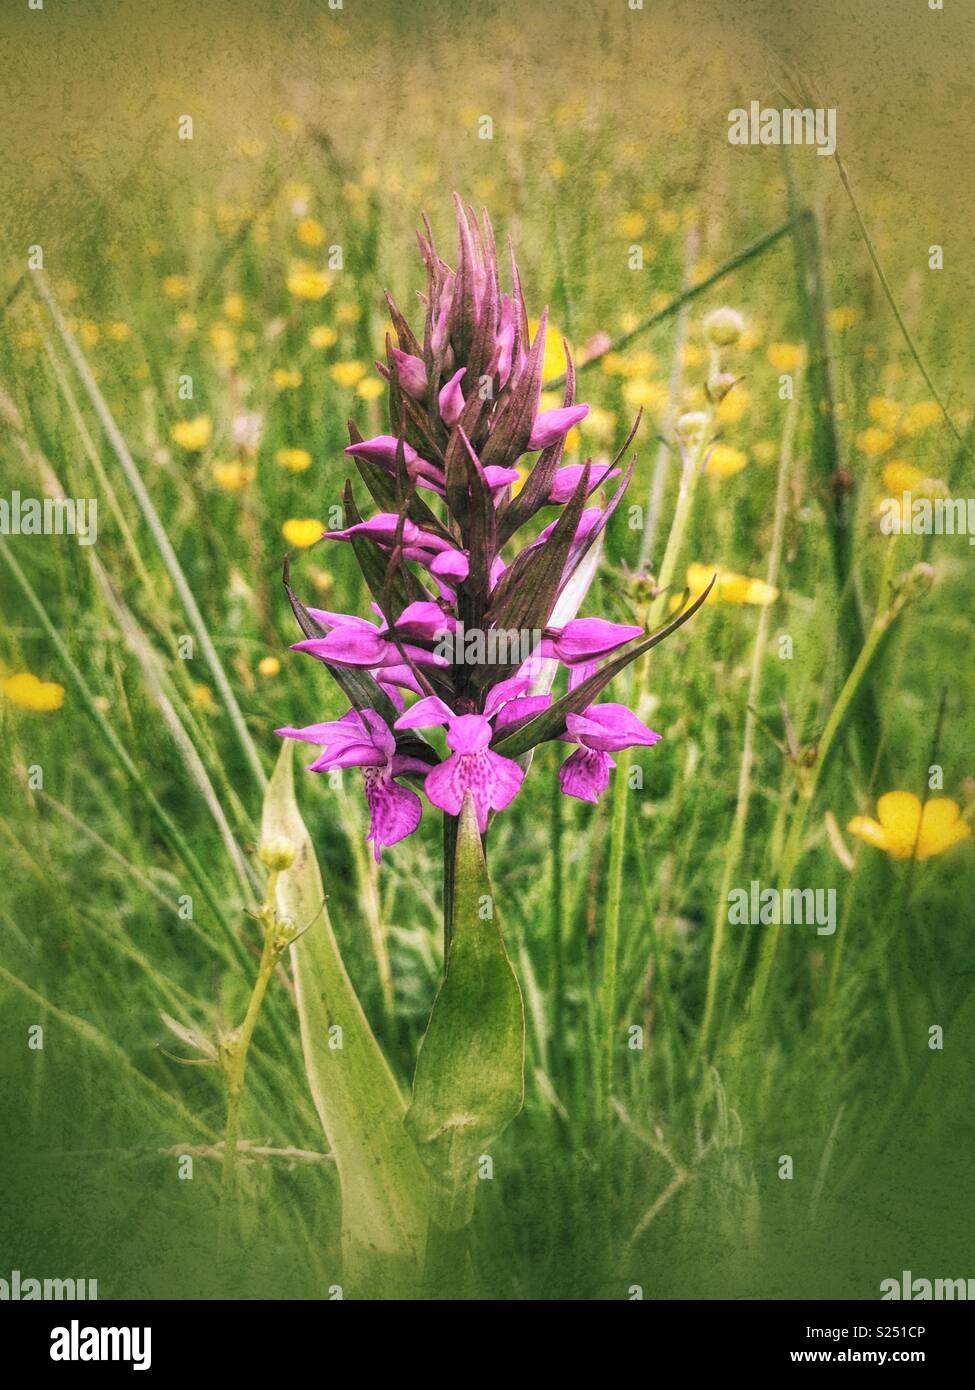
[383,1184]
[470,1074]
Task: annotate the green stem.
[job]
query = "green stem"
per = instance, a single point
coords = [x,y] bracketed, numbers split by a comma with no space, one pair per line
[808,786]
[737,838]
[234,1056]
[692,292]
[611,938]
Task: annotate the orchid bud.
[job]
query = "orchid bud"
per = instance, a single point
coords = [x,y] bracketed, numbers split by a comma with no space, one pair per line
[451,399]
[411,372]
[551,425]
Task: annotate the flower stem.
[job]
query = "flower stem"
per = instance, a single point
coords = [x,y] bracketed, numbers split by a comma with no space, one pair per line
[736,839]
[234,1052]
[809,784]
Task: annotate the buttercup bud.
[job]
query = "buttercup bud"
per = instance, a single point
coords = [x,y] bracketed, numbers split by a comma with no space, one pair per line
[277,853]
[691,426]
[723,327]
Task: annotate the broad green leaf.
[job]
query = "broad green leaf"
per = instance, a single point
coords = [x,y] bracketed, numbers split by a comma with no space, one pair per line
[469,1081]
[383,1183]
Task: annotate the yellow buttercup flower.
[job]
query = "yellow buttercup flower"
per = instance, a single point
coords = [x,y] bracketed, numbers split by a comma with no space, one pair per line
[176,286]
[553,361]
[268,667]
[632,224]
[310,232]
[309,284]
[600,424]
[294,460]
[733,406]
[921,416]
[30,692]
[650,395]
[371,388]
[903,829]
[117,331]
[786,357]
[223,338]
[730,587]
[203,698]
[347,374]
[193,435]
[234,306]
[725,462]
[899,476]
[302,532]
[884,412]
[288,123]
[347,313]
[323,336]
[875,441]
[234,475]
[286,378]
[841,319]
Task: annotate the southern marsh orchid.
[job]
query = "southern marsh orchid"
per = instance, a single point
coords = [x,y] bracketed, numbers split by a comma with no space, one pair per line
[439,555]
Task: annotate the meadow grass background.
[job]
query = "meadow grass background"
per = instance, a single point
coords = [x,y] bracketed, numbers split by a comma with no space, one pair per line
[172,257]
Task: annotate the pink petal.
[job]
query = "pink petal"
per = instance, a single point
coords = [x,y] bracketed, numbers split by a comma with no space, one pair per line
[450,564]
[468,733]
[451,399]
[584,639]
[610,727]
[412,373]
[567,480]
[425,714]
[551,425]
[521,708]
[395,811]
[383,527]
[585,774]
[493,781]
[500,477]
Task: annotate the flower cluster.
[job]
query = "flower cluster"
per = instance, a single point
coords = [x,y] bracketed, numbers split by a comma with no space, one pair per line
[464,408]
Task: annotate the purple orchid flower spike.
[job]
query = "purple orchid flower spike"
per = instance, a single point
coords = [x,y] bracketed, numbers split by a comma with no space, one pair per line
[441,556]
[362,739]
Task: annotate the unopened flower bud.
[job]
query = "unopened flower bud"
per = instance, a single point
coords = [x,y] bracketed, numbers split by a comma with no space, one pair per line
[691,426]
[916,582]
[723,327]
[643,587]
[720,384]
[277,853]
